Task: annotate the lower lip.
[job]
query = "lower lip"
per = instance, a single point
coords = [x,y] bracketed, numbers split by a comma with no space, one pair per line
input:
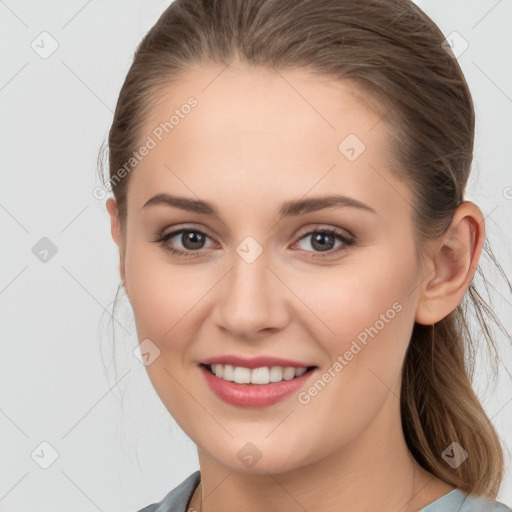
[253,395]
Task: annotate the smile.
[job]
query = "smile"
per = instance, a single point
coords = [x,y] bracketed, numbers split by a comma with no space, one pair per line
[234,384]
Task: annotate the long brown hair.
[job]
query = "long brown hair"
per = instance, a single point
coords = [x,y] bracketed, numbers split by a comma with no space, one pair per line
[395,55]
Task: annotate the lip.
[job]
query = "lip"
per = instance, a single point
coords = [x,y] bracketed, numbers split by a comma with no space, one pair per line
[254,395]
[255,362]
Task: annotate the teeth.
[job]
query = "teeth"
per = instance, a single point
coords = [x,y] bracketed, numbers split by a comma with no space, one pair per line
[262,375]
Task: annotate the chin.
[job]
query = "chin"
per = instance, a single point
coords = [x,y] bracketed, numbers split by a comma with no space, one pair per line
[259,456]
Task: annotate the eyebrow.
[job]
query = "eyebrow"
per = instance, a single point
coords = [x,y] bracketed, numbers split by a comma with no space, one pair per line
[288,209]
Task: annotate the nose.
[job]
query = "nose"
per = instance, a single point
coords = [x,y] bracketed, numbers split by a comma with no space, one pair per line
[251,300]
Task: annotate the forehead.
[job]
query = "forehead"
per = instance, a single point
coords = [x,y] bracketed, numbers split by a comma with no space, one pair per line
[288,104]
[262,132]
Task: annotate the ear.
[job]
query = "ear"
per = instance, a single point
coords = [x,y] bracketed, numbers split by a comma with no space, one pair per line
[455,258]
[115,229]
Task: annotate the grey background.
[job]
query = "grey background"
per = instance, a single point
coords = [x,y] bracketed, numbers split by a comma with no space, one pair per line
[56,334]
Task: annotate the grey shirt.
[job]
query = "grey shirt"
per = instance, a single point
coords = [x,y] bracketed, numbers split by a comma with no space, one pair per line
[455,501]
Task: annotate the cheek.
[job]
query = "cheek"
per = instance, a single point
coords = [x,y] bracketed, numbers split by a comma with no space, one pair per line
[370,318]
[364,315]
[166,298]
[352,297]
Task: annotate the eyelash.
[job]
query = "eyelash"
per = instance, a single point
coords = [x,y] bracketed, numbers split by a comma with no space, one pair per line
[347,242]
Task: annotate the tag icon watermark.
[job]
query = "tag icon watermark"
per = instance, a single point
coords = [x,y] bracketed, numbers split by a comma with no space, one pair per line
[44,250]
[455,45]
[249,249]
[44,455]
[455,455]
[351,147]
[146,352]
[44,45]
[249,454]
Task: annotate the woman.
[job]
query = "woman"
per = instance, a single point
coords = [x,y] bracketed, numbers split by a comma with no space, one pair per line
[288,181]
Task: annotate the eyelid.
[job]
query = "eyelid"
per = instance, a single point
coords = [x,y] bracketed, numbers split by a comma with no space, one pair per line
[324,227]
[186,227]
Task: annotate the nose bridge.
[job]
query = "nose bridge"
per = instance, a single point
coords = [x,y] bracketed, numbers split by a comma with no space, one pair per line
[252,298]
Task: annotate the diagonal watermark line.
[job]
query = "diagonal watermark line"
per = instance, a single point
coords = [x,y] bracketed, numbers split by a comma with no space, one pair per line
[485,15]
[301,300]
[287,492]
[491,212]
[87,86]
[3,412]
[381,118]
[489,420]
[304,98]
[73,220]
[76,14]
[304,195]
[109,390]
[94,298]
[389,389]
[388,182]
[14,76]
[213,490]
[395,19]
[13,13]
[214,78]
[203,296]
[493,82]
[500,409]
[13,279]
[14,218]
[81,491]
[14,486]
[220,220]
[500,294]
[279,423]
[199,403]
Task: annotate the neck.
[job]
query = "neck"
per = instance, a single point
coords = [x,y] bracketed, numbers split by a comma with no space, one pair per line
[373,471]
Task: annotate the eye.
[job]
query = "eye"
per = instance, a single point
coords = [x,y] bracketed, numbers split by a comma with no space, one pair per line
[192,240]
[324,240]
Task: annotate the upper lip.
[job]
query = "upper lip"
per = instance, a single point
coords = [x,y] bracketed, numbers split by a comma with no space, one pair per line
[254,362]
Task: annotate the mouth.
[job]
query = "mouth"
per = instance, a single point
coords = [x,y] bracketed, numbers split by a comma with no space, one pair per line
[258,387]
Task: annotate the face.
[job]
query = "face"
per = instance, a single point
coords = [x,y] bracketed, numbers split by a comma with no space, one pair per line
[326,285]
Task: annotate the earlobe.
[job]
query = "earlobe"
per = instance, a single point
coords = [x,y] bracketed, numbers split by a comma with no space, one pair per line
[455,260]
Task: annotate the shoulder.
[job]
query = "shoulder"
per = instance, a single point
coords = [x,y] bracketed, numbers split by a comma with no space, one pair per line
[462,502]
[482,504]
[178,498]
